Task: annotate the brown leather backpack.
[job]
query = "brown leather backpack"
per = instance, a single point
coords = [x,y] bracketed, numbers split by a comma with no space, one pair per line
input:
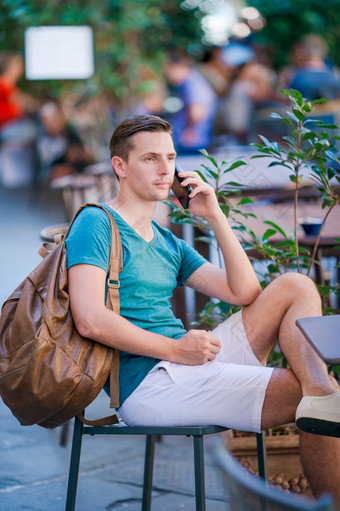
[48,372]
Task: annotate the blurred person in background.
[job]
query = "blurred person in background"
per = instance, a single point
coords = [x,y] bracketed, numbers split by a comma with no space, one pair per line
[61,150]
[193,123]
[215,70]
[311,75]
[18,126]
[251,89]
[150,100]
[219,74]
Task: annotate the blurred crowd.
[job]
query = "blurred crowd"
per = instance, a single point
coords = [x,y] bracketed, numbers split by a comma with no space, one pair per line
[37,141]
[211,101]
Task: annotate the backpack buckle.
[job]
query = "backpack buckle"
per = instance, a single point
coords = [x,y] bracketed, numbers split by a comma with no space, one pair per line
[114,284]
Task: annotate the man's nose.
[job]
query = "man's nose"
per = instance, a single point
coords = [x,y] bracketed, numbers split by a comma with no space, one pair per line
[165,167]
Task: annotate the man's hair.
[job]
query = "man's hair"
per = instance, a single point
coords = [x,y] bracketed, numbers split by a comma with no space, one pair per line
[121,142]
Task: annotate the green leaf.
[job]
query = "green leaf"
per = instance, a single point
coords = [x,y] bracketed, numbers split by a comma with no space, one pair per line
[210,158]
[225,208]
[331,173]
[309,135]
[324,290]
[277,164]
[273,146]
[202,176]
[307,107]
[275,115]
[277,227]
[321,100]
[288,122]
[331,126]
[332,156]
[300,115]
[268,234]
[290,140]
[210,171]
[245,200]
[293,117]
[260,156]
[296,154]
[234,183]
[235,165]
[286,243]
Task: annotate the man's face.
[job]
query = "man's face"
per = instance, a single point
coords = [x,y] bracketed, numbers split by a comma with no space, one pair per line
[149,172]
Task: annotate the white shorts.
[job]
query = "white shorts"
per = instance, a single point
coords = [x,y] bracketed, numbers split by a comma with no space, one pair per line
[228,391]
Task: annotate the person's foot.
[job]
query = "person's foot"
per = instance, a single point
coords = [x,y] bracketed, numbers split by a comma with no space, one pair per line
[319,415]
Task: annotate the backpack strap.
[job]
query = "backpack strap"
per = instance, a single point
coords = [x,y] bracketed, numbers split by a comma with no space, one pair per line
[112,303]
[112,298]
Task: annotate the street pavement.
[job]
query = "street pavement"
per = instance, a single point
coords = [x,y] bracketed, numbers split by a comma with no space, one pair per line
[33,464]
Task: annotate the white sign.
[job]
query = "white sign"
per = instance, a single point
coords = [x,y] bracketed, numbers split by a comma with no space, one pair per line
[58,53]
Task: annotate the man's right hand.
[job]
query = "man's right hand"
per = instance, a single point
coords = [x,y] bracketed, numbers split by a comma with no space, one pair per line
[196,347]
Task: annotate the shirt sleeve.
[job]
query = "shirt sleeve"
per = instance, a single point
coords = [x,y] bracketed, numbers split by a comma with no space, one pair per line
[89,239]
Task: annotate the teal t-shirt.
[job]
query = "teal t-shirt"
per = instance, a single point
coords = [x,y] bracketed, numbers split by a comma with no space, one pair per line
[151,271]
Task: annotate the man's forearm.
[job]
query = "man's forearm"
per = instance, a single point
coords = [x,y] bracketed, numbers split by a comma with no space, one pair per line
[242,279]
[115,331]
[102,325]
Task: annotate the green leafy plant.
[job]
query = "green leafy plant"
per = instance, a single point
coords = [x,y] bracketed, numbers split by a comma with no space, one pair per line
[308,150]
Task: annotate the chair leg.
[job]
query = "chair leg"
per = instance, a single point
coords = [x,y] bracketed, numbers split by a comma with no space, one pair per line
[64,433]
[148,471]
[199,473]
[262,454]
[74,465]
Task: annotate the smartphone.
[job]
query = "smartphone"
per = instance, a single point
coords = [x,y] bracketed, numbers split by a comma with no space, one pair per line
[181,192]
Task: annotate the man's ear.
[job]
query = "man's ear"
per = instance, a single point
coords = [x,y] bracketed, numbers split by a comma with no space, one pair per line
[118,165]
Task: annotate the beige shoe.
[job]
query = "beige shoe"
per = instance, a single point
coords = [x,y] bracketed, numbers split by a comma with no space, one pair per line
[319,415]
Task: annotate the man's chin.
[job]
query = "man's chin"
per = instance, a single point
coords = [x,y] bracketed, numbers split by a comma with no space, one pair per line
[163,194]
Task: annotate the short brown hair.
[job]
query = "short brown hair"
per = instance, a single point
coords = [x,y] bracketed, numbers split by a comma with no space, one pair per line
[121,143]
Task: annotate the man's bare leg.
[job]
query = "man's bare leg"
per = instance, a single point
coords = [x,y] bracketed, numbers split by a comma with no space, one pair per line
[270,318]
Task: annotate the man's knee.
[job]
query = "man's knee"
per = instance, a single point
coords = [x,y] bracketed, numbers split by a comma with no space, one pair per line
[295,285]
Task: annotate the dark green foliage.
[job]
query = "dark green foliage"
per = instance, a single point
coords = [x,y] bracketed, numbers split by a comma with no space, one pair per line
[289,20]
[129,36]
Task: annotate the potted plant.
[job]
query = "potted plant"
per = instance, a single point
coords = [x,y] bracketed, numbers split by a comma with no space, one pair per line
[309,149]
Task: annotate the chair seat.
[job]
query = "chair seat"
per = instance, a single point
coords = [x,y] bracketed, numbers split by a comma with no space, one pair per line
[123,429]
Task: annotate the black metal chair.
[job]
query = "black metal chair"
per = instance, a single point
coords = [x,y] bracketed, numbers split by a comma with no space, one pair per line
[151,433]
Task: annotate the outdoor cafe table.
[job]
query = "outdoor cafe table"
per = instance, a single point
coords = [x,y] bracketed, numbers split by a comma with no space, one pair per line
[323,333]
[258,180]
[282,214]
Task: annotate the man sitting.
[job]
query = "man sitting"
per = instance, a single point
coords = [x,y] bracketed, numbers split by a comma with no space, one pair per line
[169,376]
